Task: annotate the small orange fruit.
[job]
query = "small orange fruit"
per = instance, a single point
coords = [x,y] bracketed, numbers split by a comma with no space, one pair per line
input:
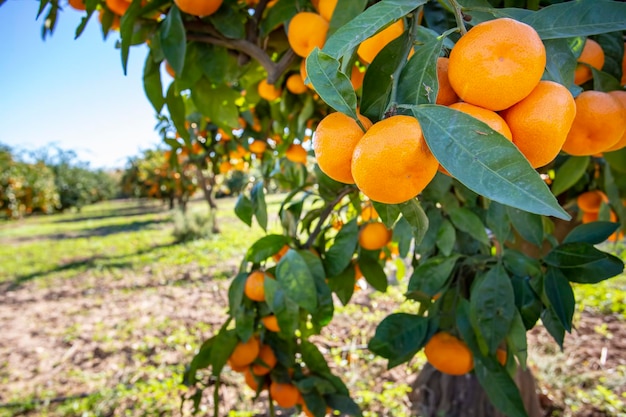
[497,63]
[225,167]
[621,97]
[488,117]
[251,380]
[369,48]
[115,23]
[446,94]
[237,368]
[306,31]
[285,395]
[501,355]
[374,236]
[254,288]
[78,4]
[541,121]
[268,91]
[449,354]
[334,141]
[368,212]
[593,55]
[327,8]
[245,352]
[271,323]
[266,361]
[295,84]
[258,146]
[278,255]
[199,8]
[599,124]
[296,153]
[356,77]
[303,74]
[118,7]
[392,162]
[591,201]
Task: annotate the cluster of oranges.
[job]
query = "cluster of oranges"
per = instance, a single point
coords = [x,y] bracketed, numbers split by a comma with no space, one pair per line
[390,162]
[590,204]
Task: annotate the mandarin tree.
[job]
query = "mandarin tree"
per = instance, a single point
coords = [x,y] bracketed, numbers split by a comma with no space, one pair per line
[484,215]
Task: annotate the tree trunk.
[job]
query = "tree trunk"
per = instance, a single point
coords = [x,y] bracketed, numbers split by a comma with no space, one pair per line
[440,395]
[207,189]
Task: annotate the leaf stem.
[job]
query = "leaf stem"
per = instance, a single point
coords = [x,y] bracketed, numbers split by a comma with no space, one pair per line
[216,397]
[327,210]
[458,15]
[271,410]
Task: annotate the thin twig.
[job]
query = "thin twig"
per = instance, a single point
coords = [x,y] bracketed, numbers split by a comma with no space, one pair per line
[458,15]
[325,214]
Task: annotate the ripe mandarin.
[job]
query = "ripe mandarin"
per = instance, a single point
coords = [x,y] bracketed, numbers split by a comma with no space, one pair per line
[245,352]
[445,94]
[268,91]
[621,97]
[199,8]
[296,153]
[255,288]
[285,395]
[295,84]
[370,47]
[449,354]
[593,55]
[306,31]
[374,236]
[490,118]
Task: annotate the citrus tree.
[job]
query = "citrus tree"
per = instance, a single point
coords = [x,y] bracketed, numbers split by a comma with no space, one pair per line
[481,144]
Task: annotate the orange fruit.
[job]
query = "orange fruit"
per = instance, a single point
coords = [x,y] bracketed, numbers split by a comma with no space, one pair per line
[306,31]
[374,236]
[258,146]
[449,354]
[225,167]
[621,97]
[285,395]
[326,8]
[296,153]
[334,141]
[78,4]
[245,352]
[169,70]
[369,48]
[501,356]
[254,288]
[266,361]
[392,162]
[446,94]
[490,118]
[199,8]
[590,201]
[356,77]
[118,7]
[115,24]
[599,124]
[268,91]
[593,55]
[251,380]
[368,212]
[237,368]
[278,255]
[303,74]
[295,84]
[541,121]
[271,323]
[497,63]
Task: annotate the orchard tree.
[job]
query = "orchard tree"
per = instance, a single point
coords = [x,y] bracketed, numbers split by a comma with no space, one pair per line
[483,144]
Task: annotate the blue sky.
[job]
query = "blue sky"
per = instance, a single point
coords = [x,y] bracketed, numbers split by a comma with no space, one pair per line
[71,93]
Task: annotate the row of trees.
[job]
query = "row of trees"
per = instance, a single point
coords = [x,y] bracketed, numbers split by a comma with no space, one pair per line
[49,181]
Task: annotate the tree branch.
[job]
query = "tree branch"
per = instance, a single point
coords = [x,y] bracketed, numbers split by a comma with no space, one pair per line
[327,210]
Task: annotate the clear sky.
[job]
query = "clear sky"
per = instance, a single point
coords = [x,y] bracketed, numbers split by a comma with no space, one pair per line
[71,93]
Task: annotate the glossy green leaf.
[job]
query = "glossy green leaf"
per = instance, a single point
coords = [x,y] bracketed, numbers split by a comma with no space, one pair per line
[617,160]
[467,221]
[313,359]
[295,278]
[484,161]
[500,388]
[446,238]
[414,214]
[378,80]
[403,235]
[388,212]
[344,404]
[176,108]
[257,195]
[127,24]
[520,264]
[285,309]
[225,343]
[528,225]
[560,64]
[280,13]
[345,11]
[516,340]
[592,233]
[174,39]
[613,46]
[553,325]
[418,83]
[492,308]
[430,277]
[578,18]
[498,221]
[603,81]
[244,319]
[265,247]
[229,22]
[216,102]
[561,296]
[236,292]
[244,209]
[201,360]
[582,262]
[569,173]
[333,86]
[152,85]
[399,337]
[613,192]
[366,24]
[373,272]
[339,255]
[343,284]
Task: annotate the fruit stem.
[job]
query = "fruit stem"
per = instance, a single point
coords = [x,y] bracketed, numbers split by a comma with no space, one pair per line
[327,210]
[272,411]
[216,396]
[458,15]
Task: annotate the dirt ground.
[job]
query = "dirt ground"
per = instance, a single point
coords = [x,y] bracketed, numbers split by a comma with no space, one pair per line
[59,339]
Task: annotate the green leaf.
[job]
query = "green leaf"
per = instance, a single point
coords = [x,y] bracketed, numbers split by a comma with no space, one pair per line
[345,11]
[339,255]
[176,108]
[528,225]
[561,296]
[402,234]
[295,278]
[613,46]
[560,64]
[152,83]
[343,403]
[257,194]
[216,102]
[201,360]
[617,160]
[343,284]
[498,221]
[467,221]
[603,81]
[553,325]
[388,212]
[127,25]
[266,247]
[282,12]
[366,24]
[378,80]
[244,319]
[592,233]
[236,292]
[173,39]
[313,359]
[285,309]
[582,262]
[578,18]
[400,336]
[446,238]
[569,173]
[520,264]
[229,22]
[430,277]
[516,340]
[333,86]
[500,388]
[414,214]
[223,347]
[418,83]
[498,170]
[373,273]
[613,192]
[328,188]
[244,209]
[492,307]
